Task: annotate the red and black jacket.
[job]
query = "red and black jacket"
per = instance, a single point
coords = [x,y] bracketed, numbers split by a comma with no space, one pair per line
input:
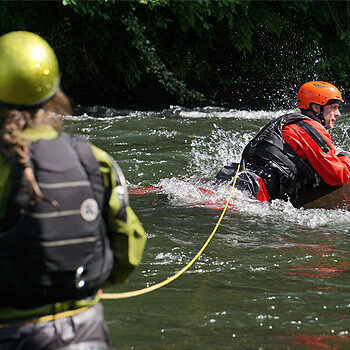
[294,155]
[312,143]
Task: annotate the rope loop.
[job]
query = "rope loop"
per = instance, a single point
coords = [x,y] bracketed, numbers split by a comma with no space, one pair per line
[124,295]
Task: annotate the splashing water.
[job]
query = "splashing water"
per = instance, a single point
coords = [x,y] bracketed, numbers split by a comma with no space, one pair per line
[272,275]
[159,147]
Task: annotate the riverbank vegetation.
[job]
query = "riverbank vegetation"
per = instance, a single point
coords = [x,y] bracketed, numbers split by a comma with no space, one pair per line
[152,53]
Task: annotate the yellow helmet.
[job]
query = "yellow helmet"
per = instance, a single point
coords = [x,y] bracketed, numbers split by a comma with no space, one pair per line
[29,72]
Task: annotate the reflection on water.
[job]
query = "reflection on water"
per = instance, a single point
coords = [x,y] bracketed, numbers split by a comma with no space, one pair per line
[273,277]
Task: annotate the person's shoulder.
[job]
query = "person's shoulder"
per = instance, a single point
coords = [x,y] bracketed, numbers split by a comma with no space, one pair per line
[99,153]
[37,132]
[104,159]
[315,124]
[291,118]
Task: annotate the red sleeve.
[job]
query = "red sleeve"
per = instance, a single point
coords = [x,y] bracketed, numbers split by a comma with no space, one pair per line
[335,171]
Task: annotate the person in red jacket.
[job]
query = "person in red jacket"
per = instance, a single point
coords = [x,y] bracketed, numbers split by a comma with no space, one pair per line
[314,102]
[293,155]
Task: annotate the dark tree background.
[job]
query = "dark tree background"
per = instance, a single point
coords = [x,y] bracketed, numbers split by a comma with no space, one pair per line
[149,53]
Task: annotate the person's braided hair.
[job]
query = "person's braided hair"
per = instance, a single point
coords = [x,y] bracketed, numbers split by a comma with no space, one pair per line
[17,149]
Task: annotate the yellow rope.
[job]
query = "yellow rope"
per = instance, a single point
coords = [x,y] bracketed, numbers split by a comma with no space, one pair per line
[179,273]
[46,318]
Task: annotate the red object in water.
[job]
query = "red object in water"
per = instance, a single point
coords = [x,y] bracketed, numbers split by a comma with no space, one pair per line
[144,190]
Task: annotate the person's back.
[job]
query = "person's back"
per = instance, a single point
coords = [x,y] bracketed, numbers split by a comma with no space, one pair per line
[56,248]
[66,226]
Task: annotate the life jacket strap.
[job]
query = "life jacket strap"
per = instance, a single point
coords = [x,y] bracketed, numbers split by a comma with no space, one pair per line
[46,318]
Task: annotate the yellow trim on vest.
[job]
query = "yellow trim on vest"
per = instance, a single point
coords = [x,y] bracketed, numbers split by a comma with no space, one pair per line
[47,318]
[11,315]
[37,132]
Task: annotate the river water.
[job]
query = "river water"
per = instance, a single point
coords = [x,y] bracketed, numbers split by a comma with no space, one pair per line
[273,277]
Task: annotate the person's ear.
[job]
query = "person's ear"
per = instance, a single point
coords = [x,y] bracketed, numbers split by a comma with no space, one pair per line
[316,108]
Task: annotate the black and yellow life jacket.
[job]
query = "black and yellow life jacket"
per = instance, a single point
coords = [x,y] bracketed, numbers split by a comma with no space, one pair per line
[50,254]
[284,173]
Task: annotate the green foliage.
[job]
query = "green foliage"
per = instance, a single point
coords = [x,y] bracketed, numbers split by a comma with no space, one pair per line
[96,8]
[154,3]
[240,52]
[154,65]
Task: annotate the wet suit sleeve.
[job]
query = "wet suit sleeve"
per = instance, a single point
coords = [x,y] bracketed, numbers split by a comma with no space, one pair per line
[125,231]
[333,170]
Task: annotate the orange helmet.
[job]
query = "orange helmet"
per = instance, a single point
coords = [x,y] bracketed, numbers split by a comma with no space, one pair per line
[318,92]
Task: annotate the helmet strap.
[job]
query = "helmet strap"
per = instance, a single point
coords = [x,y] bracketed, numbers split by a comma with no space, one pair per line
[319,114]
[323,122]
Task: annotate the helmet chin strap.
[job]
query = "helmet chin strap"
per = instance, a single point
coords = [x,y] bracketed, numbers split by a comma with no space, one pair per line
[319,115]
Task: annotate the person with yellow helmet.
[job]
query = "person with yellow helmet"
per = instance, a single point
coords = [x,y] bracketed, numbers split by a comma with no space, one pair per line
[66,226]
[293,157]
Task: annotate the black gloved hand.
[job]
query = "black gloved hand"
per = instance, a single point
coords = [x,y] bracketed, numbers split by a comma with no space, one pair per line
[227,172]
